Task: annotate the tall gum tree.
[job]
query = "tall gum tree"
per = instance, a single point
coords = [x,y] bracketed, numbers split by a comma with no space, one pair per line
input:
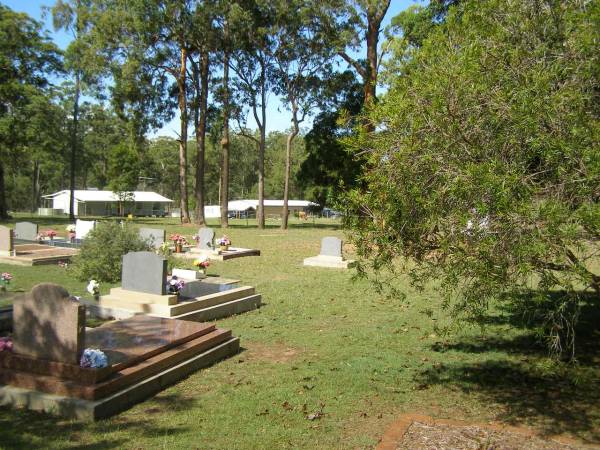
[252,65]
[301,54]
[28,58]
[75,17]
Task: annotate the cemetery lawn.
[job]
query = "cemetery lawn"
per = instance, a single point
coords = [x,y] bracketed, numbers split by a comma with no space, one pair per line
[327,363]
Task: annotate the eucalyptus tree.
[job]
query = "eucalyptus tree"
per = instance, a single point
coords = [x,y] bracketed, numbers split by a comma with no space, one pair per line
[27,58]
[76,18]
[252,64]
[202,42]
[147,42]
[302,53]
[354,24]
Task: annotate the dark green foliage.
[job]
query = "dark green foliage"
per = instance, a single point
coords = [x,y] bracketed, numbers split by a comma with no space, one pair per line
[27,57]
[328,167]
[102,251]
[484,168]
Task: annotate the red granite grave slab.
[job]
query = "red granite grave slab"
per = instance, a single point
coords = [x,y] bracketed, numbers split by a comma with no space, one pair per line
[129,341]
[119,380]
[125,343]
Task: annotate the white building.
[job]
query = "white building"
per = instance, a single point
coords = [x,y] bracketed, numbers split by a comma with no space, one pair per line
[272,207]
[106,203]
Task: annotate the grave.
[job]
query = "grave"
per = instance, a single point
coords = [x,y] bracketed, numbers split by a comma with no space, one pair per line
[143,290]
[206,238]
[26,231]
[30,254]
[206,247]
[144,355]
[83,227]
[330,255]
[6,241]
[154,236]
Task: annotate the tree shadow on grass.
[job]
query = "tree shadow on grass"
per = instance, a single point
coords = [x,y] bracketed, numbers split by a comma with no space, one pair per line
[556,399]
[22,428]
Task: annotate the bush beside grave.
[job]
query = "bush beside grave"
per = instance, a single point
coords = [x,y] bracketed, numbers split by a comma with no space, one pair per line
[102,251]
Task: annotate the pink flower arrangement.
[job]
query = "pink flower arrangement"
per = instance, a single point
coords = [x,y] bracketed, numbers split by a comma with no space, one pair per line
[224,240]
[6,344]
[50,233]
[178,239]
[6,277]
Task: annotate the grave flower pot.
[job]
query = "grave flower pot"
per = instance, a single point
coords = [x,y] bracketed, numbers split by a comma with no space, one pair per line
[223,248]
[71,236]
[178,248]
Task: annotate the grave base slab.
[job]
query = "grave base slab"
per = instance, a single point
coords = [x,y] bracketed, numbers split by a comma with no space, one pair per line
[222,310]
[329,262]
[120,401]
[221,255]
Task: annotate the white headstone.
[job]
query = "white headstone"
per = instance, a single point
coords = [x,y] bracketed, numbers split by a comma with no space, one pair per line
[206,238]
[83,227]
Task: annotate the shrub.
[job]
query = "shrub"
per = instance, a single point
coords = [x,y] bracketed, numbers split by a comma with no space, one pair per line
[102,251]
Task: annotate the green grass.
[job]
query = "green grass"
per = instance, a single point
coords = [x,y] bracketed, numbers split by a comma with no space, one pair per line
[322,342]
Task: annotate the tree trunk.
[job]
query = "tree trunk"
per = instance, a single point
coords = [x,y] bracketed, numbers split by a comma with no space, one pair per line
[370,80]
[3,206]
[74,144]
[201,135]
[260,214]
[183,121]
[288,169]
[224,186]
[35,186]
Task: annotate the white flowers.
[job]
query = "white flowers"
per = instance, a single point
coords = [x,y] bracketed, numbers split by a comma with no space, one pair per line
[93,287]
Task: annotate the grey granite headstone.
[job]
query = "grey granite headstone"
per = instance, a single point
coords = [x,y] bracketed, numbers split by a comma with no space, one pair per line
[331,246]
[194,289]
[144,272]
[207,238]
[49,324]
[6,241]
[154,236]
[26,230]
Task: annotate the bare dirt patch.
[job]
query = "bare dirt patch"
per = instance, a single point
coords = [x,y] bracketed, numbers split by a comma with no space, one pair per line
[425,433]
[278,353]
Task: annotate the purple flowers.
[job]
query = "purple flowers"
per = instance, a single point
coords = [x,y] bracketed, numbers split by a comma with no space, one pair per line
[174,284]
[6,344]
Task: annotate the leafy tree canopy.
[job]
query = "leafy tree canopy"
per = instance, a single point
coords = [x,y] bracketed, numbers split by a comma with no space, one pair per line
[484,163]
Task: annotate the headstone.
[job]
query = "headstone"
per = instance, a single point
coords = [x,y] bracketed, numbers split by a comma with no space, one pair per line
[206,238]
[144,272]
[26,230]
[6,241]
[83,227]
[49,324]
[331,246]
[154,236]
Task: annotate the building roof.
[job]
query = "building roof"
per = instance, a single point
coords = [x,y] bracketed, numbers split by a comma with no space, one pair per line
[243,205]
[110,196]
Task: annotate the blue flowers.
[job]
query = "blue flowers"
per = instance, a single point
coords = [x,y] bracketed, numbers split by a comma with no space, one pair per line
[93,359]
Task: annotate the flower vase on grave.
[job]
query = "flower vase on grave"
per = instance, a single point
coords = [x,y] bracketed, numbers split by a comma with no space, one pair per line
[223,248]
[71,236]
[202,270]
[178,247]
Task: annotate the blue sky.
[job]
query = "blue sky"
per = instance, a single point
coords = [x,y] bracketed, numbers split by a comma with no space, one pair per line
[277,117]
